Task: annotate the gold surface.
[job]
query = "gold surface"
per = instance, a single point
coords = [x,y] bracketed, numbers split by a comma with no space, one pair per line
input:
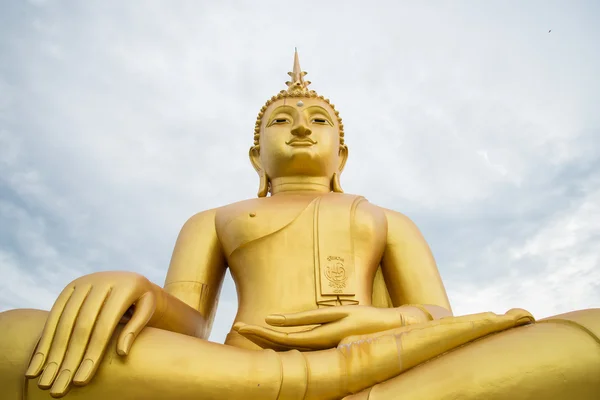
[338,298]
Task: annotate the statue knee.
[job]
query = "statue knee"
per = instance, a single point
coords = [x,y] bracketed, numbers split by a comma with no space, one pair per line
[14,324]
[588,320]
[19,332]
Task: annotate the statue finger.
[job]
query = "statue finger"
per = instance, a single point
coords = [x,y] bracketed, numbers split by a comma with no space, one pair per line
[63,335]
[322,337]
[79,340]
[112,311]
[43,347]
[144,309]
[522,317]
[268,335]
[312,317]
[298,340]
[267,344]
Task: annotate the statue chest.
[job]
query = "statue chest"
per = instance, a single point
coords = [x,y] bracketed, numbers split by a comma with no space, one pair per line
[242,224]
[332,243]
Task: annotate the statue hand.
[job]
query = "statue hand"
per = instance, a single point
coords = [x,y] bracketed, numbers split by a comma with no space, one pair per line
[334,324]
[81,323]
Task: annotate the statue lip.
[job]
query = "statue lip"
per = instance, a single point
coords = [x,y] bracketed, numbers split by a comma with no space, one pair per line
[301,142]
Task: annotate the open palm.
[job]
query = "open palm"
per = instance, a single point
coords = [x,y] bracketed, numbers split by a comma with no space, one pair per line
[333,325]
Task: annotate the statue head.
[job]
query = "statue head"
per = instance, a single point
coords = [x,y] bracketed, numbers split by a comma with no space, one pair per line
[298,133]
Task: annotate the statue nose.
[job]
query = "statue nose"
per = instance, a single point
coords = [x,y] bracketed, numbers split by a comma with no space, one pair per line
[301,130]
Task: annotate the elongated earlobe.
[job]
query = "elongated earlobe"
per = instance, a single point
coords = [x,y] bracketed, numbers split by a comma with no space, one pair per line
[335,183]
[263,186]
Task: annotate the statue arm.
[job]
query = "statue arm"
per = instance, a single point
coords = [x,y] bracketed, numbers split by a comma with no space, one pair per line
[194,279]
[409,269]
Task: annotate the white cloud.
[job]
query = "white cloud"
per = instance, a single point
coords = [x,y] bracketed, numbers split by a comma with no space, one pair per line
[569,278]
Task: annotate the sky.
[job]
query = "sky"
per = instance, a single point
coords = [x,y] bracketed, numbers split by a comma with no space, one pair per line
[478,120]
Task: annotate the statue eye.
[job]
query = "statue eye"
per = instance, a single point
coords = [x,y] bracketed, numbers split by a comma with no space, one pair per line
[280,121]
[321,121]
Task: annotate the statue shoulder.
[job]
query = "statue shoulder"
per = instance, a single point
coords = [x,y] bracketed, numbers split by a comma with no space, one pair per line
[400,225]
[200,222]
[368,216]
[396,223]
[365,208]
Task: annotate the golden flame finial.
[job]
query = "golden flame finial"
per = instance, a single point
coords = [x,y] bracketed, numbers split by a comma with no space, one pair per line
[297,86]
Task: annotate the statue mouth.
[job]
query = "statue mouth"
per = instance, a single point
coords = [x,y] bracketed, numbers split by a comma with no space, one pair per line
[301,142]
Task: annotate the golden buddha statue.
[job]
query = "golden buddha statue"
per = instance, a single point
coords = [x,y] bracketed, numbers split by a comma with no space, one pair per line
[338,298]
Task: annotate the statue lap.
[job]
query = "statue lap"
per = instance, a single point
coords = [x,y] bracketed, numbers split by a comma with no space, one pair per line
[555,358]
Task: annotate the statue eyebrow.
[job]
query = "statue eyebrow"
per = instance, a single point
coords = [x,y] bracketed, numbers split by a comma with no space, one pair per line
[318,109]
[283,108]
[288,109]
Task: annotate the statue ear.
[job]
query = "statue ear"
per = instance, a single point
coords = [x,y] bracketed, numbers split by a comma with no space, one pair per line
[254,155]
[263,186]
[335,182]
[343,154]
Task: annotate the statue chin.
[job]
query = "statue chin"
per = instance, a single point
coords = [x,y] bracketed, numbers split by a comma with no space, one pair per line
[312,260]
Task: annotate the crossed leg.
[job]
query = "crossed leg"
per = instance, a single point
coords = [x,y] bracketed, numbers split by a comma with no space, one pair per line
[160,365]
[556,358]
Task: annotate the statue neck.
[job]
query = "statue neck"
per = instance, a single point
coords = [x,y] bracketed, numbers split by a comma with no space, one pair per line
[295,184]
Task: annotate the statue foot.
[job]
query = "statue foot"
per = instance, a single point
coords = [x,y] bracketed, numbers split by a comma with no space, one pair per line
[557,358]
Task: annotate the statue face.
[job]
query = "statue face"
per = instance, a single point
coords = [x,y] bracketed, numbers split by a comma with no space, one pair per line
[300,136]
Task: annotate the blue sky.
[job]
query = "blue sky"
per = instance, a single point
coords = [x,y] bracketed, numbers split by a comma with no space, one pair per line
[119,120]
